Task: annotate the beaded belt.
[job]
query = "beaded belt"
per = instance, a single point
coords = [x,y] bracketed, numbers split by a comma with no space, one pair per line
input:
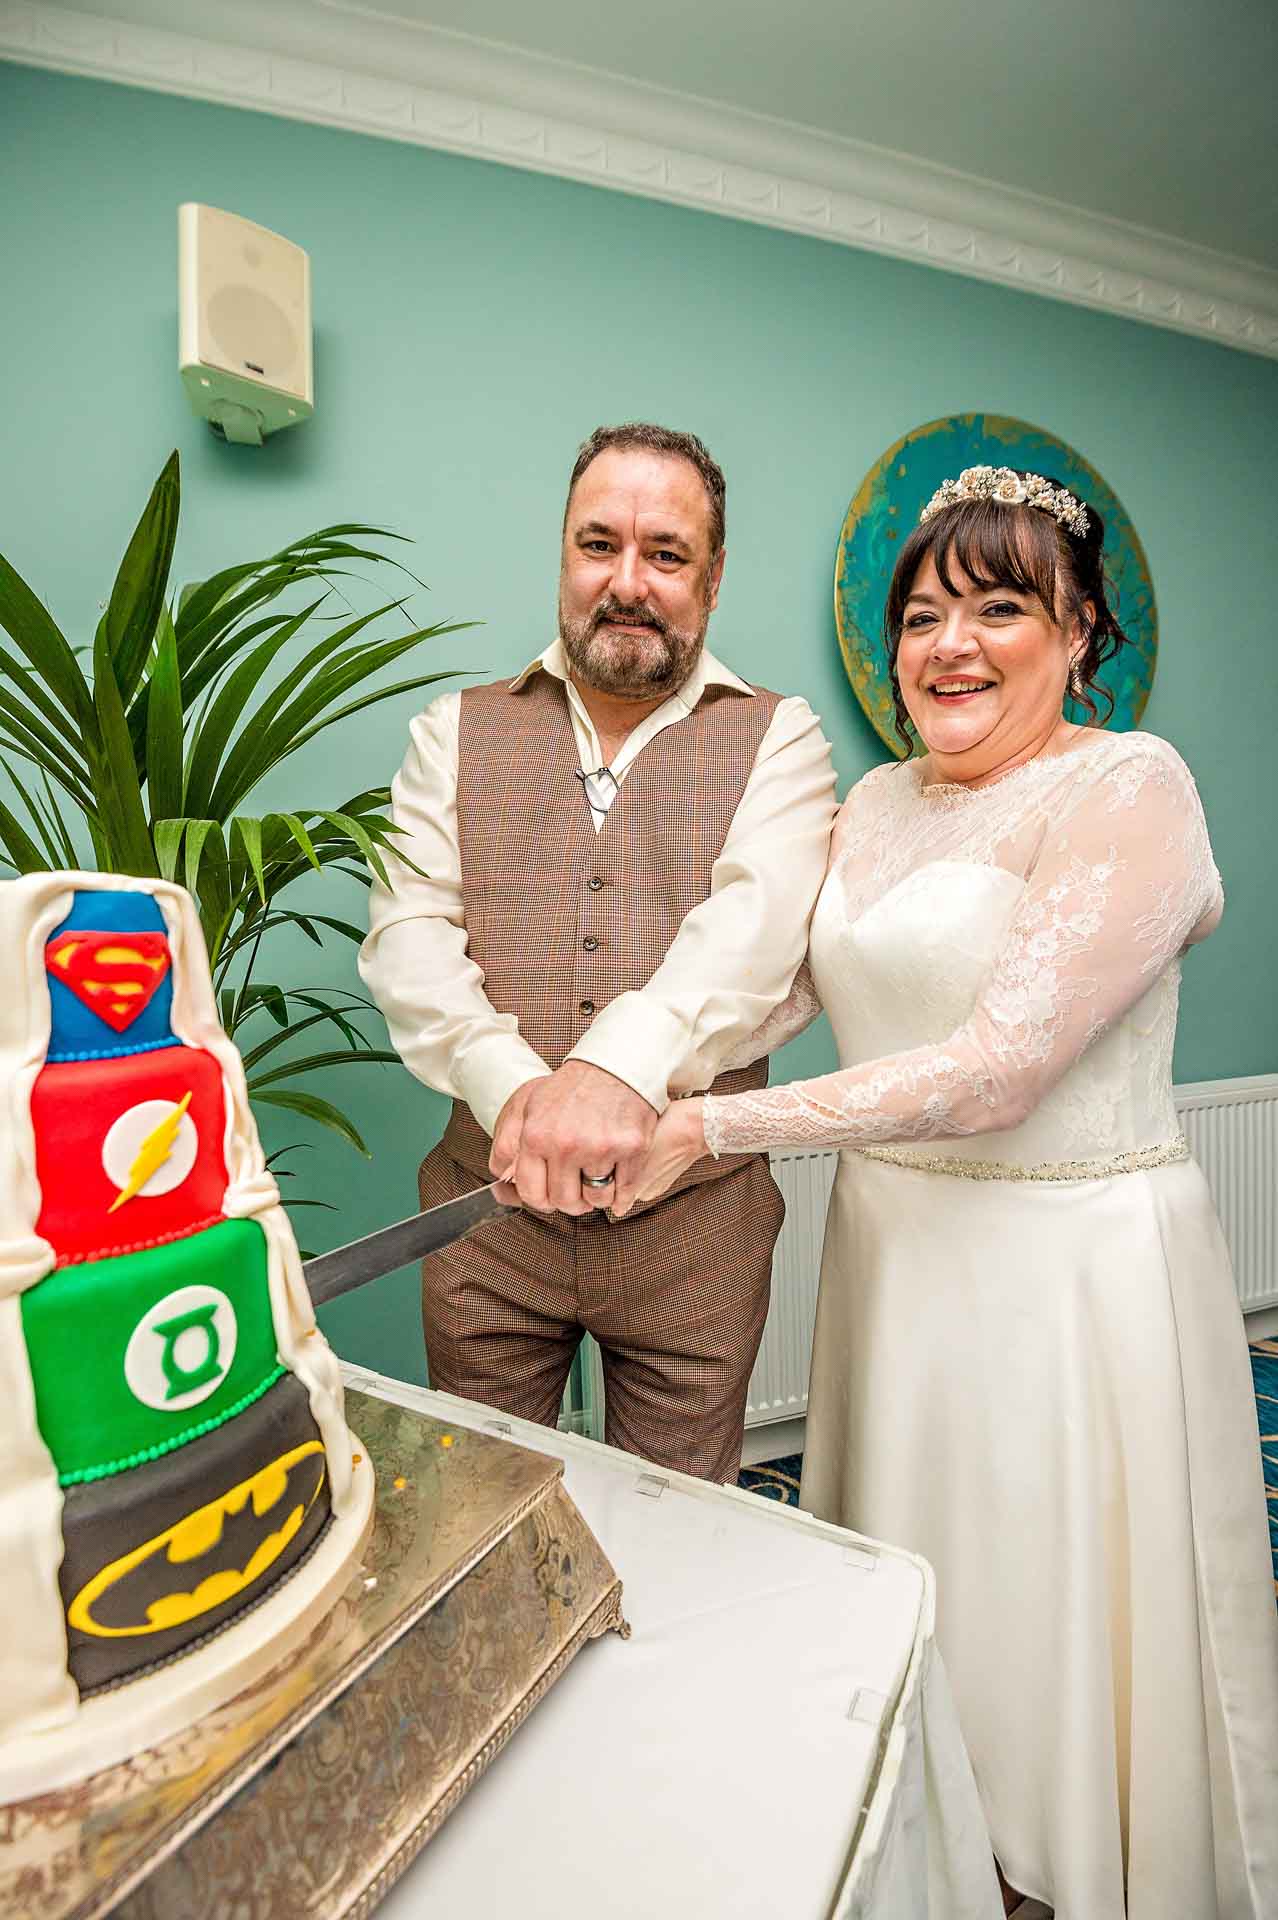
[1167,1154]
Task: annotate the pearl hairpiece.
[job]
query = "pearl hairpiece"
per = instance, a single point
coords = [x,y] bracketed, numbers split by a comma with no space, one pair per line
[1010,490]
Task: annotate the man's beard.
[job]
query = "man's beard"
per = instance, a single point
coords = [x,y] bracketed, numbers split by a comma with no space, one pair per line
[640,666]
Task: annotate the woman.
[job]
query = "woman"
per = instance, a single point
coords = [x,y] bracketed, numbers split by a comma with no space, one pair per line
[1028,1363]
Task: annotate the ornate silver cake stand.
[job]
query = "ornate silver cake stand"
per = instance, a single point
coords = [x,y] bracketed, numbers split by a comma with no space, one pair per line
[308,1794]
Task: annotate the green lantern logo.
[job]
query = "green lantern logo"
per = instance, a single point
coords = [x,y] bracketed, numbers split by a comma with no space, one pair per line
[181,1349]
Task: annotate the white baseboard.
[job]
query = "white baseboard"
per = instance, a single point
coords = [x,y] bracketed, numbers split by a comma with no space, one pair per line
[1263,1323]
[772,1440]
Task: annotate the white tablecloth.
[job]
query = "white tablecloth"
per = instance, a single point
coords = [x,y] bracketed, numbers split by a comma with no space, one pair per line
[776,1739]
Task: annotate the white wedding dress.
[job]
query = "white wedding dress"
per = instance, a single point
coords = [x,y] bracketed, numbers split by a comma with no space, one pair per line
[1029,1363]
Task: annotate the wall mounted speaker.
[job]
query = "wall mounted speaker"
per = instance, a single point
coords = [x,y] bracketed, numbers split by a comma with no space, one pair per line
[244,335]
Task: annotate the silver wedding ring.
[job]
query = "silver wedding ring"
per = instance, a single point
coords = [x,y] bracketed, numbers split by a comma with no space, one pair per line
[598,1179]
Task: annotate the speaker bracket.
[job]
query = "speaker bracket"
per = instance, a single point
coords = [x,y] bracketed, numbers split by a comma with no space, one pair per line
[231,421]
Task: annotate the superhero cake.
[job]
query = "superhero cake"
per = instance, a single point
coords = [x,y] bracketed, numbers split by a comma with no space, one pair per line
[180,1497]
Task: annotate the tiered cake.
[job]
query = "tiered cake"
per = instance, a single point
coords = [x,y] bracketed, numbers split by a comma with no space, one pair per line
[180,1496]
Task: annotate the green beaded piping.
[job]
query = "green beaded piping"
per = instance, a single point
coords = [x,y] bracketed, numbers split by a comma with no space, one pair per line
[140,1459]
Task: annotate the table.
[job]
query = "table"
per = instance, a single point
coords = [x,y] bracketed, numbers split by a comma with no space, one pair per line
[778,1737]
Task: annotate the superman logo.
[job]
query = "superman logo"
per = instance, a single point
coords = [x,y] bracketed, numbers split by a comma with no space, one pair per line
[115,975]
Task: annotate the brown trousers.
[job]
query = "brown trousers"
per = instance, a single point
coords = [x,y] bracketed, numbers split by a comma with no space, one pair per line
[676,1297]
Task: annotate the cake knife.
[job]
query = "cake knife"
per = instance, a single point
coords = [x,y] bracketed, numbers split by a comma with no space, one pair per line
[331,1274]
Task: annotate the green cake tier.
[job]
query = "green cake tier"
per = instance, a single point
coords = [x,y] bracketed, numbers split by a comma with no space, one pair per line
[141,1354]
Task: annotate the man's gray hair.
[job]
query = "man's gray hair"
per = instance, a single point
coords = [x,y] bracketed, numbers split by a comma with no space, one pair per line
[642,436]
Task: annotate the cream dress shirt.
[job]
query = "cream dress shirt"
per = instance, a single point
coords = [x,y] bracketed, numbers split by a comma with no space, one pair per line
[729,965]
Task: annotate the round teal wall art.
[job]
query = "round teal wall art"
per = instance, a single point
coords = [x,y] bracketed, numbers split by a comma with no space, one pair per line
[886,507]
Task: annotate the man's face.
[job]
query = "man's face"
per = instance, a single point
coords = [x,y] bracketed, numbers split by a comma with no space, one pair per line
[637,583]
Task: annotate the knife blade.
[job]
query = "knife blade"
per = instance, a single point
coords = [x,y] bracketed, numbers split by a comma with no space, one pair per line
[331,1274]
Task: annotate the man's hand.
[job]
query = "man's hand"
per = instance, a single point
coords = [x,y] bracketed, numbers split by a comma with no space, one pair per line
[579,1120]
[509,1128]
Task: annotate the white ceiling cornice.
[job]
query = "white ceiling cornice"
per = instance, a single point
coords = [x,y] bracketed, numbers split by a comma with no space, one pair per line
[381,75]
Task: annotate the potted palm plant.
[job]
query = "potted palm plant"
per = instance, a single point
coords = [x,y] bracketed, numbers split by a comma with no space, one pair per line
[146,767]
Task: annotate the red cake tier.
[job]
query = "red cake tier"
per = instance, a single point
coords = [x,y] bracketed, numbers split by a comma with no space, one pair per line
[129,1152]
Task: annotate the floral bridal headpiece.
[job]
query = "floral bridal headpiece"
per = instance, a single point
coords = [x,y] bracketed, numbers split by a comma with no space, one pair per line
[1010,489]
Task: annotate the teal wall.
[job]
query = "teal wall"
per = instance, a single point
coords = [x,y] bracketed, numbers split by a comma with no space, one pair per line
[473,323]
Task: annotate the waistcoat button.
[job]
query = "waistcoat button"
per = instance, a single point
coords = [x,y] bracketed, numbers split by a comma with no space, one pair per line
[594,883]
[586,1006]
[590,943]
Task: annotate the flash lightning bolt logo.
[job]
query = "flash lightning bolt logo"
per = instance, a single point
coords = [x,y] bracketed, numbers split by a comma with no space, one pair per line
[152,1153]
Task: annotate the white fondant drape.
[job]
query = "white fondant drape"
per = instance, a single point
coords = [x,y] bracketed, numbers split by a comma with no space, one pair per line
[36,1690]
[35,1687]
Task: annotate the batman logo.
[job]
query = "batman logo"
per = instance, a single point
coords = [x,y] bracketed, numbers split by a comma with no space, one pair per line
[209,1557]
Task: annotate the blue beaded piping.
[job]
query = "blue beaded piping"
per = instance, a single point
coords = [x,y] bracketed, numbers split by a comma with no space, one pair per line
[112,1053]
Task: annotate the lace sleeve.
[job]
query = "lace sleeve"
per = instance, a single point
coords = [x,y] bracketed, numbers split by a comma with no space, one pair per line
[1122,884]
[783,1023]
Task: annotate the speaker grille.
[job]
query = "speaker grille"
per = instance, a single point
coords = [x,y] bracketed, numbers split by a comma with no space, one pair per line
[250,333]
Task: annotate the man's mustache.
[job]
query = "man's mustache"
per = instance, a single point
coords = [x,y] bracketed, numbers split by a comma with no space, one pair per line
[612,609]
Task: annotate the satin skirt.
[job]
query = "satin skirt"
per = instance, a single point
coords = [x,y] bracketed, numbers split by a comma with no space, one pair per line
[1044,1390]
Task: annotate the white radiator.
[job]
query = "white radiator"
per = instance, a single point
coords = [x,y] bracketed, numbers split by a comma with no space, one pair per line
[1232,1128]
[779,1383]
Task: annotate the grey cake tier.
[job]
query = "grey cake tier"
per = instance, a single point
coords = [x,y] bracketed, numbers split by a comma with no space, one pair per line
[201,1534]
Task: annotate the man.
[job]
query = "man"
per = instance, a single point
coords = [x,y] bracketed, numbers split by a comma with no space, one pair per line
[621,850]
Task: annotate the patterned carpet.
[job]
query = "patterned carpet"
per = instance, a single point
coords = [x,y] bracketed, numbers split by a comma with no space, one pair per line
[1264,1369]
[775,1479]
[779,1479]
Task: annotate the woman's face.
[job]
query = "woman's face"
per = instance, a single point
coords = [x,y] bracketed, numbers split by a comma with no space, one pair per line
[982,673]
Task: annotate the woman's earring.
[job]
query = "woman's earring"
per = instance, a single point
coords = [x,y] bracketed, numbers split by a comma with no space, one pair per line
[1076,684]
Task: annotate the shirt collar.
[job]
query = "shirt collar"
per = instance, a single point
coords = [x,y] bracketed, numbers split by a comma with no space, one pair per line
[708,672]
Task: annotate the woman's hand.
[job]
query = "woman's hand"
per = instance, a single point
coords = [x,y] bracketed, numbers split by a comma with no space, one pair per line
[678,1142]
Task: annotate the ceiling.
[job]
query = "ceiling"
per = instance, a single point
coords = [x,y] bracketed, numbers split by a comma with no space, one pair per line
[1160,113]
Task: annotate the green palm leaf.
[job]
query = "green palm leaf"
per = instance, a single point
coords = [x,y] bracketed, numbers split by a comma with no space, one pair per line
[48,824]
[265,740]
[188,710]
[307,922]
[289,1028]
[34,633]
[266,580]
[343,671]
[164,726]
[378,694]
[302,837]
[26,736]
[59,837]
[312,1107]
[198,835]
[272,1000]
[197,679]
[22,850]
[359,831]
[250,832]
[138,594]
[335,1057]
[128,836]
[33,693]
[219,722]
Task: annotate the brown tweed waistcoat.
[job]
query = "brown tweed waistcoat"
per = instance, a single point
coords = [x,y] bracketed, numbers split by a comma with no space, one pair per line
[560,919]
